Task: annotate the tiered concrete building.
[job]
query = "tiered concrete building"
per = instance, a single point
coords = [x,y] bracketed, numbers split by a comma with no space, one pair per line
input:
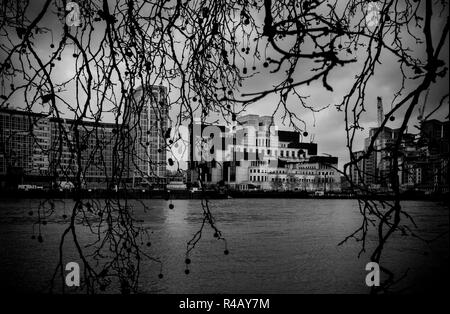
[254,154]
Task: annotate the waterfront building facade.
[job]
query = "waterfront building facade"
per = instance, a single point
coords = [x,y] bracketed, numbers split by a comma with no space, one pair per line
[40,148]
[24,145]
[148,123]
[254,154]
[422,159]
[85,149]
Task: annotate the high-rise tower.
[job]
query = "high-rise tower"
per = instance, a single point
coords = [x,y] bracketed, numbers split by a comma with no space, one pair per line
[149,122]
[380,111]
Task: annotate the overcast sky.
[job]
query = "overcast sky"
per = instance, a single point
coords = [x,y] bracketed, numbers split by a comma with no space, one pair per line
[327,126]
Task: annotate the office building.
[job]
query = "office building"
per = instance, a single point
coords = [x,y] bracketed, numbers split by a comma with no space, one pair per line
[254,154]
[148,125]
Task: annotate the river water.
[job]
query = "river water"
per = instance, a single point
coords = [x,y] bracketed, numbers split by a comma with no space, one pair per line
[275,245]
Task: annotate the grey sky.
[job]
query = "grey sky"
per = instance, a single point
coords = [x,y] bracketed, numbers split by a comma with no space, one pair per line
[326,126]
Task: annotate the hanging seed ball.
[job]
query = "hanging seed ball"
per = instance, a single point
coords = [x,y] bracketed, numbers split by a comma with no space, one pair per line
[244,70]
[392,118]
[226,252]
[160,276]
[74,55]
[254,68]
[44,222]
[187,261]
[186,271]
[194,99]
[228,107]
[266,64]
[52,46]
[216,235]
[159,150]
[33,237]
[30,213]
[171,206]
[305,133]
[64,216]
[40,239]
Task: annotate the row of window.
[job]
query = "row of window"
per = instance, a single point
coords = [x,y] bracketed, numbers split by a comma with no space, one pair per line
[324,173]
[291,179]
[268,152]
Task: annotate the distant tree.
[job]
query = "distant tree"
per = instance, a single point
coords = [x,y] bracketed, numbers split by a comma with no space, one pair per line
[291,181]
[276,184]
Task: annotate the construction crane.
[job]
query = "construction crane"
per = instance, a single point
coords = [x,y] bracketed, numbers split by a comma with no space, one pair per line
[380,111]
[420,117]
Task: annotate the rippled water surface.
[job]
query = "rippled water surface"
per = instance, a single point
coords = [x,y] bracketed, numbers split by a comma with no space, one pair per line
[276,246]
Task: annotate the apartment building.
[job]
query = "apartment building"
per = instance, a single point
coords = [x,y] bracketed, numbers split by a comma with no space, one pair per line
[148,124]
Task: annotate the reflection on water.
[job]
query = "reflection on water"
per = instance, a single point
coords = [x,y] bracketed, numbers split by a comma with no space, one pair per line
[276,246]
